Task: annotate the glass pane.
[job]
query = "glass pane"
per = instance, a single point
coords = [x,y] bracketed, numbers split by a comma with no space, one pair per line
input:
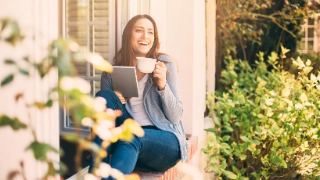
[87,23]
[79,34]
[311,21]
[302,45]
[76,10]
[310,45]
[310,32]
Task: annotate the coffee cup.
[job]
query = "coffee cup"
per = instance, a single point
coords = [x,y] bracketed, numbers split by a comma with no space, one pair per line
[146,65]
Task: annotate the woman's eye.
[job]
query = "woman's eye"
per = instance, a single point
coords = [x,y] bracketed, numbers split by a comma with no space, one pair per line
[150,32]
[138,30]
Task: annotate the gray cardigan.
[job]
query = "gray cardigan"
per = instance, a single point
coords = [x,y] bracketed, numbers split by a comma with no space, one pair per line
[164,108]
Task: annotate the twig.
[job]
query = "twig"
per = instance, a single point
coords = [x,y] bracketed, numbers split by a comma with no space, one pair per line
[275,21]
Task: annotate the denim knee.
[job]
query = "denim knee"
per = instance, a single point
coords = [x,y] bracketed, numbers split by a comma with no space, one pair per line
[108,94]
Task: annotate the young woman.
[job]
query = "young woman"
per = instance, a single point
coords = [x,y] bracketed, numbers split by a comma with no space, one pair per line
[158,108]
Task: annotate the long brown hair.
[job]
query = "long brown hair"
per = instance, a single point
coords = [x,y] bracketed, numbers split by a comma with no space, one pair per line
[125,56]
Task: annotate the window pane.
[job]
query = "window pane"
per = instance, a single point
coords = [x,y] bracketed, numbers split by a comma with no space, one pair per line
[311,21]
[310,45]
[302,45]
[76,11]
[310,32]
[87,23]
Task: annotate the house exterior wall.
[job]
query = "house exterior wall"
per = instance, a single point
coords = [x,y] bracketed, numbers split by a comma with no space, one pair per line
[37,18]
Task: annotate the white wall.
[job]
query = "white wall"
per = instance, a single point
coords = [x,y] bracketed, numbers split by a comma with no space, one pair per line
[185,41]
[39,18]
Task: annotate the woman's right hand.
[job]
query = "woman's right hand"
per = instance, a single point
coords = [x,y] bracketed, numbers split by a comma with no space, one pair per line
[122,99]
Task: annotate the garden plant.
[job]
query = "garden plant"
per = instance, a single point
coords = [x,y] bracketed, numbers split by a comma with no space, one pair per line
[266,121]
[84,109]
[247,27]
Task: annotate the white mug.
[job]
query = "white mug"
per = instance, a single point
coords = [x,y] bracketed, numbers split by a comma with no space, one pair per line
[146,65]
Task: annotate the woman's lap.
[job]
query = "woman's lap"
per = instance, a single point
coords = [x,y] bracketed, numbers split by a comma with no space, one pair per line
[157,150]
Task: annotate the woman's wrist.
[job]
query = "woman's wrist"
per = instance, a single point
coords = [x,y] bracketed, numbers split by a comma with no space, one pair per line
[162,87]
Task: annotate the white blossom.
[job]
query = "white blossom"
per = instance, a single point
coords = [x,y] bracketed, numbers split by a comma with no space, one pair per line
[104,170]
[106,123]
[82,85]
[103,132]
[67,83]
[116,174]
[99,104]
[73,46]
[95,59]
[87,121]
[285,92]
[298,106]
[303,97]
[110,112]
[269,101]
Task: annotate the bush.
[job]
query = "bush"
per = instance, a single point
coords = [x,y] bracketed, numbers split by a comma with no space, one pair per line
[266,122]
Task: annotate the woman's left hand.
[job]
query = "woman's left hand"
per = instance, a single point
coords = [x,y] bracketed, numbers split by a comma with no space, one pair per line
[160,75]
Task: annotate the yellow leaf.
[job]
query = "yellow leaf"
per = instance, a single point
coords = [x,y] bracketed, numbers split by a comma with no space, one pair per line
[105,144]
[284,51]
[103,154]
[134,127]
[132,177]
[104,66]
[306,70]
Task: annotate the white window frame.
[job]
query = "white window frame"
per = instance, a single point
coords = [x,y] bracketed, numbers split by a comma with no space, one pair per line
[65,127]
[306,39]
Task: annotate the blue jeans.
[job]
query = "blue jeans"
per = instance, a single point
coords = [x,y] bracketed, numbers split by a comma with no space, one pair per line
[157,150]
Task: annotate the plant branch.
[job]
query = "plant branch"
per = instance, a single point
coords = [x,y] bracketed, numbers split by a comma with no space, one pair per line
[273,19]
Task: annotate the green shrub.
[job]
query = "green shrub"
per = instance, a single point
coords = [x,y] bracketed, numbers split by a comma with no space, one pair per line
[266,122]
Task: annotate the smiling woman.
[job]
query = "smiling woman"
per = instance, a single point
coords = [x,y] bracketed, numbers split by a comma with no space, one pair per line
[158,109]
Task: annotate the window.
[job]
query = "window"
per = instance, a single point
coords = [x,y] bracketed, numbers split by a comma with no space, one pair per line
[88,22]
[97,26]
[311,32]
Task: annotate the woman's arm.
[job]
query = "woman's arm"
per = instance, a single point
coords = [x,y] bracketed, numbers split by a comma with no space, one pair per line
[171,103]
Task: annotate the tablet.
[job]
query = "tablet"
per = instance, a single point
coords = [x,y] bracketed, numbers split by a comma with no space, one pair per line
[124,80]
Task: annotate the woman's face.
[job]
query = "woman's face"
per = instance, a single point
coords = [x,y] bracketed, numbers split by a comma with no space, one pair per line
[142,37]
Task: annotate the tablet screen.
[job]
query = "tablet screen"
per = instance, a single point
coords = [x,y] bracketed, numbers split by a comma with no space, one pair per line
[124,80]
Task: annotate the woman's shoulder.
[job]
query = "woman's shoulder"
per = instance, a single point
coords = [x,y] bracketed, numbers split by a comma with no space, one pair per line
[165,58]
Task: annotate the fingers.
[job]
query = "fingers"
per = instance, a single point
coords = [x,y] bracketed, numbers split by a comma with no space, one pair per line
[160,74]
[160,70]
[122,99]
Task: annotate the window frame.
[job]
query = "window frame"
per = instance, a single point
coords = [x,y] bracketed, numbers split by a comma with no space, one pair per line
[306,39]
[65,123]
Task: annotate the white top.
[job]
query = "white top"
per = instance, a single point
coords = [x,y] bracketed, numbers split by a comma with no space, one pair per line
[138,109]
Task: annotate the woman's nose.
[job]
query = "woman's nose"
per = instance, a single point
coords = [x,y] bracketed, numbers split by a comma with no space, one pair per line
[144,34]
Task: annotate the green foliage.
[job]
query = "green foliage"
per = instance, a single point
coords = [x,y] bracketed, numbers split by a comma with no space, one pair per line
[245,28]
[14,123]
[40,150]
[10,31]
[266,122]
